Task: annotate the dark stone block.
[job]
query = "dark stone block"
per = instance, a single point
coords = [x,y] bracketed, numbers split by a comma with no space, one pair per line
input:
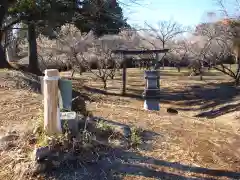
[155,78]
[151,94]
[71,125]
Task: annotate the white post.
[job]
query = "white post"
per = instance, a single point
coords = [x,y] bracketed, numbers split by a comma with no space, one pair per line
[52,124]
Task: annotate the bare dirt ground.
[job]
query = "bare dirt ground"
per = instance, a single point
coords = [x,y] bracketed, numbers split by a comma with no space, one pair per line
[201,142]
[204,134]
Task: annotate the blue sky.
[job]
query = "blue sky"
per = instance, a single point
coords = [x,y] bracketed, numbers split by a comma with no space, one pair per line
[186,12]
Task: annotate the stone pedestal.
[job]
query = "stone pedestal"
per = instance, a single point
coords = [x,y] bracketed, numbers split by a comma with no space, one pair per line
[151,93]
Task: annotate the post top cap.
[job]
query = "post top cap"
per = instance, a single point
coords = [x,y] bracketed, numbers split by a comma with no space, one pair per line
[152,73]
[51,72]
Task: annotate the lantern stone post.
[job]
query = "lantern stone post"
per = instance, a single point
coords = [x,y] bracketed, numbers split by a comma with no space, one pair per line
[151,92]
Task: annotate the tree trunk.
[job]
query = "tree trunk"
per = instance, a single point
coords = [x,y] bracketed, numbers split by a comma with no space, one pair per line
[33,66]
[200,69]
[200,73]
[104,84]
[3,60]
[236,82]
[179,69]
[81,70]
[3,10]
[209,68]
[113,72]
[72,74]
[112,76]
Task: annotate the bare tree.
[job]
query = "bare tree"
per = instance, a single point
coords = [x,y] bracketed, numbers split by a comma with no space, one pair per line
[63,52]
[221,40]
[231,12]
[165,32]
[105,64]
[70,44]
[215,47]
[84,52]
[179,53]
[195,56]
[218,51]
[93,55]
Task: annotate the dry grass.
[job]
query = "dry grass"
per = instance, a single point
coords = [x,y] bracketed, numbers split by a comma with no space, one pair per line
[19,111]
[209,142]
[184,142]
[16,160]
[18,108]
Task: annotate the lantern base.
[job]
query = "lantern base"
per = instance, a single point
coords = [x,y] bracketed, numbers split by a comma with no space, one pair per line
[152,105]
[151,94]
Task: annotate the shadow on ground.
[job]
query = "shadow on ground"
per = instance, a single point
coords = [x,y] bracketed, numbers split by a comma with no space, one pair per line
[117,163]
[214,99]
[132,94]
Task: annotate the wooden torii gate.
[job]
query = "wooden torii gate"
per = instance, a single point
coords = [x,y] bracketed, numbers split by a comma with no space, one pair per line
[137,52]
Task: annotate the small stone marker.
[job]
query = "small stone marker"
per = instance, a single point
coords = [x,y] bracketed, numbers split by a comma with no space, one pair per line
[70,119]
[68,115]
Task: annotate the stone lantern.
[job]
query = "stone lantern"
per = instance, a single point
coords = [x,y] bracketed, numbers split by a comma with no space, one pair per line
[151,92]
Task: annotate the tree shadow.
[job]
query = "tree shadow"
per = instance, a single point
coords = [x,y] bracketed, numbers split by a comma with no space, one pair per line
[113,163]
[117,163]
[220,111]
[25,80]
[136,93]
[213,98]
[141,86]
[173,73]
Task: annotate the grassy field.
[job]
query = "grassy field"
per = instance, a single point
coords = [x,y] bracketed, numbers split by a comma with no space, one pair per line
[201,142]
